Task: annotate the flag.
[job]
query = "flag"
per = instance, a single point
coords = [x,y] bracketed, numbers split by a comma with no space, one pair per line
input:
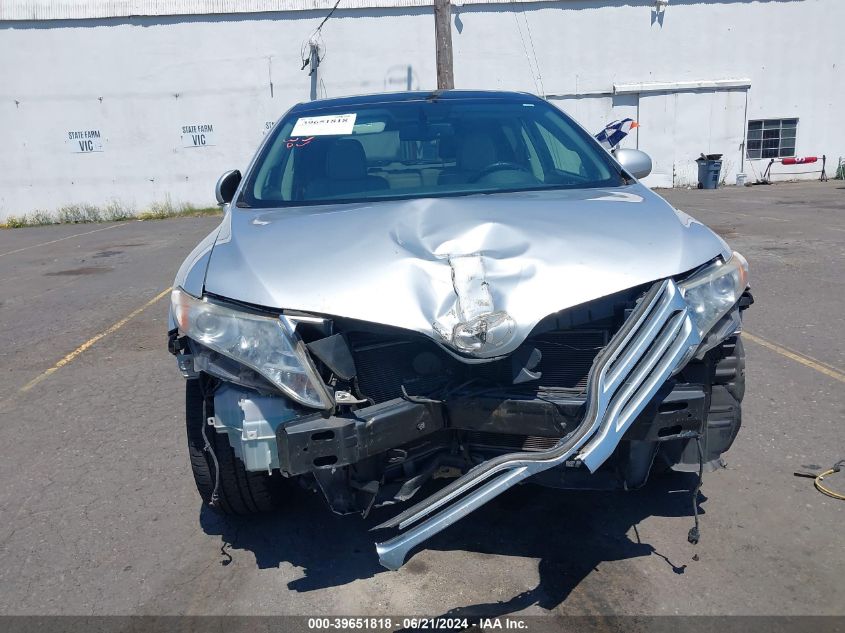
[613,133]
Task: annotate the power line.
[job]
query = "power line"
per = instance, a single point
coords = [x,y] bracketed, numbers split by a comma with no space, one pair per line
[534,53]
[316,38]
[525,48]
[326,19]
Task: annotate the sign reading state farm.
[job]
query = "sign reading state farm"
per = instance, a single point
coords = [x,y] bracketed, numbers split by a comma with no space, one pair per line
[84,141]
[198,135]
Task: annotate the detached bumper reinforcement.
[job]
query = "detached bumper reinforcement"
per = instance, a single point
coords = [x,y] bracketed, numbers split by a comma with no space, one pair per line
[624,377]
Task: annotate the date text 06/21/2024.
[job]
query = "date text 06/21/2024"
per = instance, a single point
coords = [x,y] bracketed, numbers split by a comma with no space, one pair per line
[413,623]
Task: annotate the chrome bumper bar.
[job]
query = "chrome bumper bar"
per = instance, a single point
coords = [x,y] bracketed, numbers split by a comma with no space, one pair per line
[652,343]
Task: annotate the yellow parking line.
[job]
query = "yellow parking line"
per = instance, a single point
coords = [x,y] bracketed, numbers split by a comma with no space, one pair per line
[87,344]
[62,239]
[805,360]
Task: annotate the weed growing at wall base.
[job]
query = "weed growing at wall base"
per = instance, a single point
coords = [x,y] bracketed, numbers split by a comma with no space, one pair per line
[112,212]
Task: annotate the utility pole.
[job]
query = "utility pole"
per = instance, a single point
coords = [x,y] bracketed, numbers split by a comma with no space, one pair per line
[314,61]
[443,40]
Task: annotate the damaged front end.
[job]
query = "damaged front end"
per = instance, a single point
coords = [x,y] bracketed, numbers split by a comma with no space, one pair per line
[624,377]
[371,413]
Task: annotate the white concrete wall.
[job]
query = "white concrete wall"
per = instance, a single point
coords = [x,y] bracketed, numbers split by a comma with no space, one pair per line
[139,80]
[792,51]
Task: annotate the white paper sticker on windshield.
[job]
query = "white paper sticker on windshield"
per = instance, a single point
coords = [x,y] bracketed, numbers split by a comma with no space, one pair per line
[324,125]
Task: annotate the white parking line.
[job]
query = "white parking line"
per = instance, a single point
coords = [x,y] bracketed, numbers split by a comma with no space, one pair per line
[62,239]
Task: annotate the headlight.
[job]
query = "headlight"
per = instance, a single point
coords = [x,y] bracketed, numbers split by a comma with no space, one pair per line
[712,292]
[268,345]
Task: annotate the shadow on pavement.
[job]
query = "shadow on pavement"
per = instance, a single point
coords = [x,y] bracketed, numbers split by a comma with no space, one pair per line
[570,533]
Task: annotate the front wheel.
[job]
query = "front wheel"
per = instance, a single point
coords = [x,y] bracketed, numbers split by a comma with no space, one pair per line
[226,487]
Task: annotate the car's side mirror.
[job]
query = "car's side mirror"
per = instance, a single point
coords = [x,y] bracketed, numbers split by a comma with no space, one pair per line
[227,186]
[635,162]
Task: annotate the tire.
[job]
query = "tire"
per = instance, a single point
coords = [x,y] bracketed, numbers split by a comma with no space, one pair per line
[239,491]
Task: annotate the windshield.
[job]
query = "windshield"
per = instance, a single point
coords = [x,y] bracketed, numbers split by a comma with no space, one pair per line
[417,149]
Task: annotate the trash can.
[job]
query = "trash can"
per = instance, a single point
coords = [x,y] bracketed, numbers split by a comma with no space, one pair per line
[709,171]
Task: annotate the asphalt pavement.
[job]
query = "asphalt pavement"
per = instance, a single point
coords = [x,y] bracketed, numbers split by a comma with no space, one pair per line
[99,515]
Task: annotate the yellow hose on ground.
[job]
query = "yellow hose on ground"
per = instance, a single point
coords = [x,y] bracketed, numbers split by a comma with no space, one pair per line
[824,489]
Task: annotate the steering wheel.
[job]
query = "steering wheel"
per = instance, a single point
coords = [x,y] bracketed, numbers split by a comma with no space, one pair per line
[499,166]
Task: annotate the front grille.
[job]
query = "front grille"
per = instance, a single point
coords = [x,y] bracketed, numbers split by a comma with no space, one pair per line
[568,356]
[508,442]
[385,363]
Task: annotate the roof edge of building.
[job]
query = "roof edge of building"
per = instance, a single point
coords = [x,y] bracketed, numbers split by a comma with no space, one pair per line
[41,10]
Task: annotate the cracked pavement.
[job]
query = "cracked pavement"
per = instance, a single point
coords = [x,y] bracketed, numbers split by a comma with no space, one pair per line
[98,513]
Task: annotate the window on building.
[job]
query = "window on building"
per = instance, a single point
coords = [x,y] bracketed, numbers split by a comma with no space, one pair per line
[772,138]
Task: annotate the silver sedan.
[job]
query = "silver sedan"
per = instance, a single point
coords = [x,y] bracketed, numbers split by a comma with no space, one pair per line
[450,285]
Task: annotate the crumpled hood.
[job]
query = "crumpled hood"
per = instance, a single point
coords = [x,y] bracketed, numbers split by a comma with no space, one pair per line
[429,264]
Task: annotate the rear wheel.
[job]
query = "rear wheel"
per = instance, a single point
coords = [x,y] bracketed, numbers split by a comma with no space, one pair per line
[238,491]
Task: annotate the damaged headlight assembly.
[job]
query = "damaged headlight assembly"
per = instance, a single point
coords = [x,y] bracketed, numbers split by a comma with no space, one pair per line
[268,345]
[711,293]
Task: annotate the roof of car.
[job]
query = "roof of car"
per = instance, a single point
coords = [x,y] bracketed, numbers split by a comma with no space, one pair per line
[419,95]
